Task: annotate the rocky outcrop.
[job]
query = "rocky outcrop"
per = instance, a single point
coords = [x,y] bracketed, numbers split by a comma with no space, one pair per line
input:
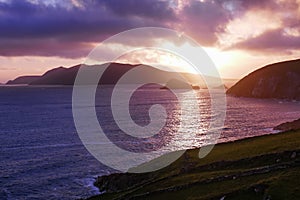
[279,80]
[118,182]
[288,126]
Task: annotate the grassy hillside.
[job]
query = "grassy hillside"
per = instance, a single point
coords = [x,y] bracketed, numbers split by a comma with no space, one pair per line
[265,167]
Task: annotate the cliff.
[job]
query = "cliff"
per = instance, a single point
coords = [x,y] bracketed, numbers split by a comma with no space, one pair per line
[279,80]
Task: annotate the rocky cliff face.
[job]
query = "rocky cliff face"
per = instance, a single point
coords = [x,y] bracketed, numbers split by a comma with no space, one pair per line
[279,80]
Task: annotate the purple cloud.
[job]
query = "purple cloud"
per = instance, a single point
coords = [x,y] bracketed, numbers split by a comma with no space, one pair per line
[160,10]
[274,41]
[202,20]
[39,29]
[68,29]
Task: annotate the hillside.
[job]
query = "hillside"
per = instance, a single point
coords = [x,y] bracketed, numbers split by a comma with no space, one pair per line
[23,80]
[279,80]
[67,76]
[264,167]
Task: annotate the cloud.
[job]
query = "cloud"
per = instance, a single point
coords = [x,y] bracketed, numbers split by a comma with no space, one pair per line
[50,28]
[43,47]
[7,68]
[71,28]
[202,20]
[158,10]
[273,41]
[283,37]
[63,30]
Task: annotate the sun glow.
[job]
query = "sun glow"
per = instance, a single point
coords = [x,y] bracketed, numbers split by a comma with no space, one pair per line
[247,26]
[221,59]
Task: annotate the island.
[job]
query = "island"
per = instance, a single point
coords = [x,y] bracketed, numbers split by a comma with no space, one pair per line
[114,71]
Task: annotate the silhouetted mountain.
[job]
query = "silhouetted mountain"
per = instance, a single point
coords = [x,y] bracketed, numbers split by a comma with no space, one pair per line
[58,76]
[67,76]
[279,80]
[23,80]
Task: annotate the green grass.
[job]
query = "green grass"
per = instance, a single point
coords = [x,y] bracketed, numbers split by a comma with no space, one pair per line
[204,179]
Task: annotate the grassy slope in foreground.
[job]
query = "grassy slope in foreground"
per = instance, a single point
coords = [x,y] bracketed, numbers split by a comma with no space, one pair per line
[265,167]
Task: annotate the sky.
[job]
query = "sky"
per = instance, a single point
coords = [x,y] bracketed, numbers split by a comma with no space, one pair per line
[238,35]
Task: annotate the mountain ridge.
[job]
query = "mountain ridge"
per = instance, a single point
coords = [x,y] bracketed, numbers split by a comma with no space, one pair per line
[67,76]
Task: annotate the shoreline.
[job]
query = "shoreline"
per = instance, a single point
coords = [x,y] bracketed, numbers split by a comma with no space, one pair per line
[125,183]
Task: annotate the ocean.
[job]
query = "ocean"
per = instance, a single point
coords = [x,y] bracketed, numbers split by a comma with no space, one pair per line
[42,156]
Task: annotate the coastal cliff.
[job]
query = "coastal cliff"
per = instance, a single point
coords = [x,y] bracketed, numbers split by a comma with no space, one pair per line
[279,80]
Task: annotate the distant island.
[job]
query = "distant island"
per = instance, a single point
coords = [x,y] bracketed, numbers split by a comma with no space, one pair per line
[23,80]
[67,76]
[280,80]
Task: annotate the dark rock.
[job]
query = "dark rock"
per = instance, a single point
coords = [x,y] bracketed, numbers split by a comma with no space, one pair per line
[176,84]
[294,155]
[260,188]
[118,182]
[289,126]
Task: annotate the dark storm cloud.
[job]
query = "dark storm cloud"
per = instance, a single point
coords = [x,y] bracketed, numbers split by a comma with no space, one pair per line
[23,19]
[146,8]
[40,29]
[43,47]
[202,20]
[68,28]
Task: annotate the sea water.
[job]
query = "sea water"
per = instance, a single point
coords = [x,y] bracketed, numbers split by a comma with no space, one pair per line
[42,157]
